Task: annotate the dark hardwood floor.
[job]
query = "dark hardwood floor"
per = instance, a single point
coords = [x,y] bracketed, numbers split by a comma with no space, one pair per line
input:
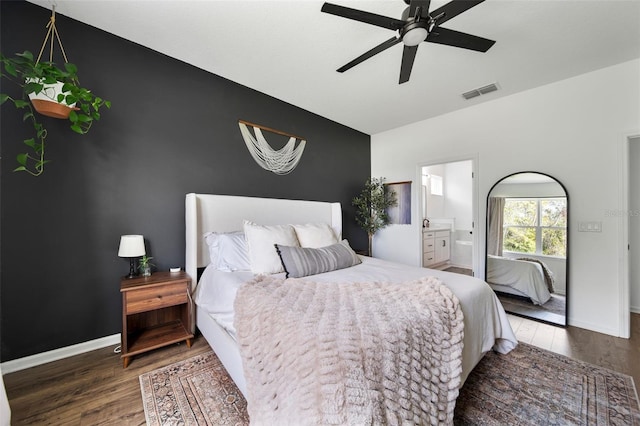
[88,389]
[94,389]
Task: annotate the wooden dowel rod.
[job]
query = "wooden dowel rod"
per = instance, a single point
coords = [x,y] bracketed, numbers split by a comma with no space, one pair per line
[269,129]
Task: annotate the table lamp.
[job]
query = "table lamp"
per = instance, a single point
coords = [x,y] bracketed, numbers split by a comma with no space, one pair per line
[131,246]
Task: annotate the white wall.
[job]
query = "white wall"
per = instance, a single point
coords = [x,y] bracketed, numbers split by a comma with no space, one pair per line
[435,203]
[458,193]
[571,130]
[634,223]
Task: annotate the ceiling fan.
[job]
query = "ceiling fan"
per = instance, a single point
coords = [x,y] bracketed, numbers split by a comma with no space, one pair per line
[415,26]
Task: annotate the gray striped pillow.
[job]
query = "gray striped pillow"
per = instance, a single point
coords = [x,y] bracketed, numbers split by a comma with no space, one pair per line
[303,261]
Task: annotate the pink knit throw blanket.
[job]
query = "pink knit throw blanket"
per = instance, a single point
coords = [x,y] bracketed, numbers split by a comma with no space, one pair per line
[344,353]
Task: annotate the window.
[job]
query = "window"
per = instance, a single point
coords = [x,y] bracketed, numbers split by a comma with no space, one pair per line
[436,184]
[535,226]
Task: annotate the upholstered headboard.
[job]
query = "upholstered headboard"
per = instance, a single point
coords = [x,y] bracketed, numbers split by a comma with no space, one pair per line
[226,213]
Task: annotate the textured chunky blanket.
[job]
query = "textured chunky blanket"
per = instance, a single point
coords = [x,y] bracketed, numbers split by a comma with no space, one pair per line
[345,353]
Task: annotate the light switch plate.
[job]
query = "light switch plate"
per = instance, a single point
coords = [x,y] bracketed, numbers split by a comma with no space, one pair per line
[589,226]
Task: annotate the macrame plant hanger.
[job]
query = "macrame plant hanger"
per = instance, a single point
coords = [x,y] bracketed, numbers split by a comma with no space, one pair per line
[57,109]
[52,30]
[280,162]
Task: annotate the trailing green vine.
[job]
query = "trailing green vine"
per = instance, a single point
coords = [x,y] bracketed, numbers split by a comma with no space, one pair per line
[32,77]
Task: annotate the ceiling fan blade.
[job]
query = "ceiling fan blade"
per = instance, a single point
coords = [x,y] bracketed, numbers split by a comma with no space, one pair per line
[379,48]
[362,16]
[423,4]
[408,56]
[453,9]
[457,39]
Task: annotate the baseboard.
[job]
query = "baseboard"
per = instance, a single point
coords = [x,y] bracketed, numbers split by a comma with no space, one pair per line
[457,265]
[635,309]
[593,327]
[56,354]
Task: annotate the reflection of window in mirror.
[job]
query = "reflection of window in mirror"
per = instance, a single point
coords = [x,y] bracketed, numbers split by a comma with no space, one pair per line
[436,184]
[535,226]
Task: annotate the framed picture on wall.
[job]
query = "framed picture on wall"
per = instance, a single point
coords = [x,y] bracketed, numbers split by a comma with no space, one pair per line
[400,214]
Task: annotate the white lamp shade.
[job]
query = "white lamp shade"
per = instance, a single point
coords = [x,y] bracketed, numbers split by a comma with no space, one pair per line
[131,246]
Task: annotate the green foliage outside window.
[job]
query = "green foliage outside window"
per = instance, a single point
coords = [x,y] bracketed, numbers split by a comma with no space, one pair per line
[535,226]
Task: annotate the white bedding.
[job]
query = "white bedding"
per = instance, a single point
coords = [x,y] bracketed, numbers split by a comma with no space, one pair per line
[526,277]
[486,324]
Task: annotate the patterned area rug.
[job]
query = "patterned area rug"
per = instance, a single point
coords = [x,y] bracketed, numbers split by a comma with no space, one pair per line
[532,386]
[529,386]
[197,391]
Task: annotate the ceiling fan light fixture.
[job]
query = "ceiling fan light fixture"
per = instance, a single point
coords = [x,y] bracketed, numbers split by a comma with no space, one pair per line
[415,36]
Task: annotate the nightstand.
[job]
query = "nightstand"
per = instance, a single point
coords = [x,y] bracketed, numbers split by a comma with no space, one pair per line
[156,312]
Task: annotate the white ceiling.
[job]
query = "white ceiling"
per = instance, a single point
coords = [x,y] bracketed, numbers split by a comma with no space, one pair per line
[290,50]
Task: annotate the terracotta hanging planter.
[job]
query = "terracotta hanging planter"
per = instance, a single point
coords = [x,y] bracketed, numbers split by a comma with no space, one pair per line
[45,102]
[51,109]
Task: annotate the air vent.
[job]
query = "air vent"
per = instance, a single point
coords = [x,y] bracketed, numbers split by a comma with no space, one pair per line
[480,91]
[471,94]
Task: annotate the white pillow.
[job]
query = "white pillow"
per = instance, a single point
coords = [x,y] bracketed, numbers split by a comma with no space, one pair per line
[261,240]
[228,251]
[315,235]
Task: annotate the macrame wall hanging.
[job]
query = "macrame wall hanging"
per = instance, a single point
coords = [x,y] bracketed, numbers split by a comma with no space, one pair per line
[281,161]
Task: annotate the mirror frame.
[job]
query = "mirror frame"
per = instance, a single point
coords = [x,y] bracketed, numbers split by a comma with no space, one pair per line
[486,246]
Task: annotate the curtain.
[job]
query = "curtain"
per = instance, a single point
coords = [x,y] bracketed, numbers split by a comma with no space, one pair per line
[494,233]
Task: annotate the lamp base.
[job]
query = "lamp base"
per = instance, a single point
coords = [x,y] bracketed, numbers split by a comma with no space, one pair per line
[132,268]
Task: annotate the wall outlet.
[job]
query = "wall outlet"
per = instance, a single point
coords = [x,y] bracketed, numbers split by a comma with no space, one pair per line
[589,226]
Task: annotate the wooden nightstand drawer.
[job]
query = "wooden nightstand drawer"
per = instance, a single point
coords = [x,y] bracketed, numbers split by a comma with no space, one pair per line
[147,299]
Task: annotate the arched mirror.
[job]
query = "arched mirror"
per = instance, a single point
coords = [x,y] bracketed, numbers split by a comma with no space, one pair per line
[527,250]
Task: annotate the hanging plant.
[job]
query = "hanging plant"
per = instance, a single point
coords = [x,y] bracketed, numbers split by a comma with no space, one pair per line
[51,91]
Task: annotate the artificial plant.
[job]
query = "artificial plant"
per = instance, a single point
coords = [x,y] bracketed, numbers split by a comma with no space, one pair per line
[371,207]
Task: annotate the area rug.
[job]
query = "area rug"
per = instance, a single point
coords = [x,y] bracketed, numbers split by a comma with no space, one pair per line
[197,391]
[529,386]
[533,386]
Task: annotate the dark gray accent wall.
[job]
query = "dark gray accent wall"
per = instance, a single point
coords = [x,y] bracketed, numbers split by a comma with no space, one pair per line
[172,130]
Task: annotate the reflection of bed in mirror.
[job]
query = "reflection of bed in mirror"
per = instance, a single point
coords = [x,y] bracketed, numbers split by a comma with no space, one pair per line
[527,243]
[486,325]
[519,277]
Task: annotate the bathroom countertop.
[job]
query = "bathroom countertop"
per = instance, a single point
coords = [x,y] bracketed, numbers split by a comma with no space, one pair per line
[437,228]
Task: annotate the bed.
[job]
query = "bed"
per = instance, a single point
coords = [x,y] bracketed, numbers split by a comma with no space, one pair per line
[486,325]
[519,277]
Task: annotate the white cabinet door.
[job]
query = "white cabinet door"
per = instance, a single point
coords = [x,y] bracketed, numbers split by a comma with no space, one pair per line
[442,247]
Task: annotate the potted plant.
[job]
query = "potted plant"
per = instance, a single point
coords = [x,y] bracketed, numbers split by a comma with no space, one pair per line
[371,208]
[144,265]
[54,92]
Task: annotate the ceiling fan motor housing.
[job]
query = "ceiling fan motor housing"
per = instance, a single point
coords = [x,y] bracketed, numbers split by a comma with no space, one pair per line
[417,25]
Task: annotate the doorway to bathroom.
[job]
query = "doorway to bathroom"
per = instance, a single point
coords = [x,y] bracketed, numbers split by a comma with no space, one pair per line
[449,213]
